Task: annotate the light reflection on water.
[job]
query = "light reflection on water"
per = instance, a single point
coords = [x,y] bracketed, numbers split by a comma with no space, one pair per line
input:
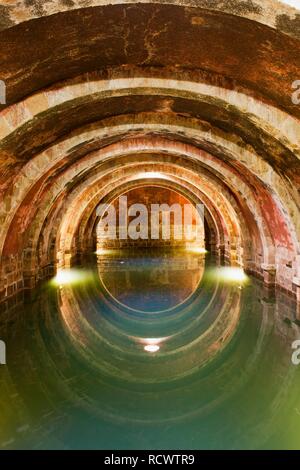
[157,352]
[150,284]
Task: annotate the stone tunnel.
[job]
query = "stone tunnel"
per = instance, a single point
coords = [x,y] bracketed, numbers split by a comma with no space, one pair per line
[100,98]
[121,327]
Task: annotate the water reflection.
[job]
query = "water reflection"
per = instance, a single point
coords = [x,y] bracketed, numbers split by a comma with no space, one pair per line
[94,365]
[199,323]
[157,282]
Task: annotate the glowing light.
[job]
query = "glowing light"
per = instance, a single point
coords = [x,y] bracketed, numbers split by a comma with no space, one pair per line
[196,249]
[102,251]
[229,274]
[69,276]
[151,348]
[152,345]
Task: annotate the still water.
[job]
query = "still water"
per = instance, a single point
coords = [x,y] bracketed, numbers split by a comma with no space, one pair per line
[165,351]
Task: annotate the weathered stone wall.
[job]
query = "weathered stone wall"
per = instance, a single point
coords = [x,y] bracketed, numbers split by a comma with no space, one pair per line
[149,195]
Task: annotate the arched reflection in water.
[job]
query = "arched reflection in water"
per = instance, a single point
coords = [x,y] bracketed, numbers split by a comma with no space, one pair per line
[150,283]
[200,321]
[92,369]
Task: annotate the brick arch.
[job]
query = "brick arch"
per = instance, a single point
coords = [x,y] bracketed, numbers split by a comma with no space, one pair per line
[232,122]
[87,225]
[282,197]
[102,183]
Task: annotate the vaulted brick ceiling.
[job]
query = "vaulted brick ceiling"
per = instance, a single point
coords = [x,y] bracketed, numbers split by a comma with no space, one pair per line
[100,94]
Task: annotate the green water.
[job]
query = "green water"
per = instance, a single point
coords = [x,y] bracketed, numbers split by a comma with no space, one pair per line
[156,352]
